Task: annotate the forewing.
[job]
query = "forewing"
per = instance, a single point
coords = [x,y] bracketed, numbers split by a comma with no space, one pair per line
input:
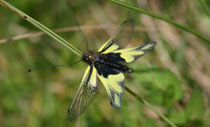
[122,35]
[85,94]
[113,81]
[131,54]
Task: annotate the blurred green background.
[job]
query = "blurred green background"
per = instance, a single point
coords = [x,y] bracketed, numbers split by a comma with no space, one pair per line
[174,77]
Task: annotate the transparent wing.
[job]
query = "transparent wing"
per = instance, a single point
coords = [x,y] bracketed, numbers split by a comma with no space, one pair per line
[122,35]
[85,94]
[113,81]
[131,54]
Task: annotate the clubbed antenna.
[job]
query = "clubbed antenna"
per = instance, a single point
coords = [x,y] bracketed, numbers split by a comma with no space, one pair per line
[53,66]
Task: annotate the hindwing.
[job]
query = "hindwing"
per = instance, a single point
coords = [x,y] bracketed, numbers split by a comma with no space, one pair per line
[113,81]
[131,54]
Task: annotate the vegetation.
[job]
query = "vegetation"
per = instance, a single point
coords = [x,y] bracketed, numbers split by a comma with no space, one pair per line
[173,78]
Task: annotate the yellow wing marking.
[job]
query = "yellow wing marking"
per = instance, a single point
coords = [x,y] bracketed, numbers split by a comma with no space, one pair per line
[131,54]
[114,85]
[85,76]
[149,46]
[117,100]
[93,81]
[111,48]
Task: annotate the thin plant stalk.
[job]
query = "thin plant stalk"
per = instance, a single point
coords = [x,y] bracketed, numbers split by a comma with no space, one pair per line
[41,27]
[204,6]
[74,50]
[161,18]
[150,106]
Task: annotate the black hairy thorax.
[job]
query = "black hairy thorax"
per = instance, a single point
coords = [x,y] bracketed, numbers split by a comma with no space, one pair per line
[106,64]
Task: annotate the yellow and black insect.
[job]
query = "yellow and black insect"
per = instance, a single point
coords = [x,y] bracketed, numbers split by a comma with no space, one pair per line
[108,64]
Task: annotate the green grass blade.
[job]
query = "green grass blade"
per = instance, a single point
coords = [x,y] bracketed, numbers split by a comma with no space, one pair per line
[161,18]
[150,106]
[204,6]
[41,27]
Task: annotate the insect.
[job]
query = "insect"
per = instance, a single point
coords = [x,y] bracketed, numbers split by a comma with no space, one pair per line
[108,64]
